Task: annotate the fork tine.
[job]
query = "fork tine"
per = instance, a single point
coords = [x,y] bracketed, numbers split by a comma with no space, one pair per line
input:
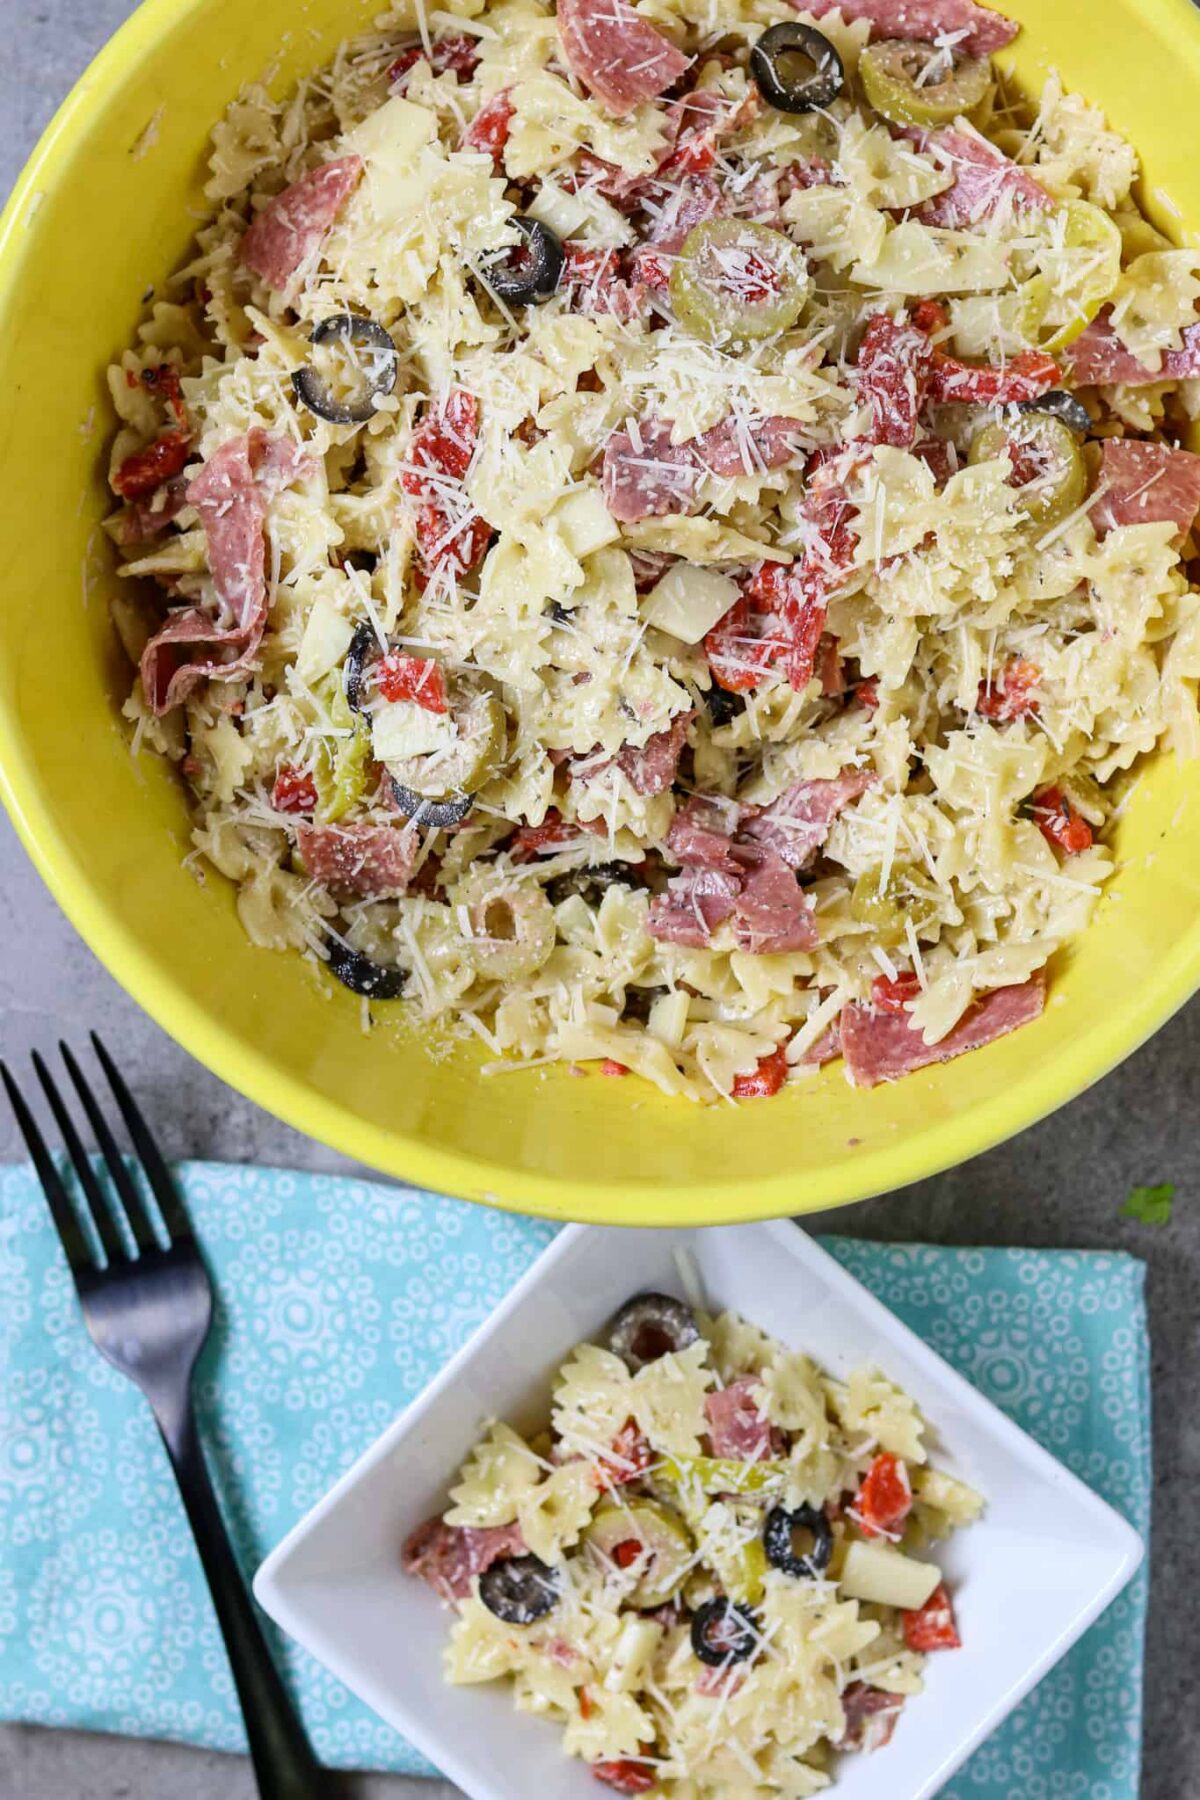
[75,1245]
[135,1211]
[114,1249]
[159,1176]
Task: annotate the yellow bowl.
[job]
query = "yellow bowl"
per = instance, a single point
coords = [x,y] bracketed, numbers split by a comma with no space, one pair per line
[101,215]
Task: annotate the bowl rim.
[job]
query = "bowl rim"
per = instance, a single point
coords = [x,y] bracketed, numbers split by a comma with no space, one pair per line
[928,1150]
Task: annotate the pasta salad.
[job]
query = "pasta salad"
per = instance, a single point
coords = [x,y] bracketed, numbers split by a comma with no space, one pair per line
[704,1571]
[656,536]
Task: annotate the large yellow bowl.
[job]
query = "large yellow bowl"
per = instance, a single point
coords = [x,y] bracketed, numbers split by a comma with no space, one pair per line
[101,214]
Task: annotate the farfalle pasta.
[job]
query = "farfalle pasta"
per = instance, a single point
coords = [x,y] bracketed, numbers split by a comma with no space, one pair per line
[656,536]
[711,1571]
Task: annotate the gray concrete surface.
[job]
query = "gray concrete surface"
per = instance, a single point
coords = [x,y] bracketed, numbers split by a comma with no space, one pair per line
[1061,1184]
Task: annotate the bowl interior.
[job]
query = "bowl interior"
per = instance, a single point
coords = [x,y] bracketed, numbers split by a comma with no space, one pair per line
[1044,1559]
[101,217]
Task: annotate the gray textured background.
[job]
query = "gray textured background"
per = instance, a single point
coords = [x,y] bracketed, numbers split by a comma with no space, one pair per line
[1060,1184]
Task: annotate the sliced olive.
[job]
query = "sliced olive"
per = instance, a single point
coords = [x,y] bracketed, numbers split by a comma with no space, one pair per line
[519,1590]
[446,776]
[1048,470]
[528,273]
[887,906]
[723,1632]
[361,975]
[377,372]
[721,1475]
[800,1543]
[735,280]
[1061,405]
[723,707]
[341,765]
[647,1539]
[773,64]
[650,1326]
[913,83]
[590,884]
[438,813]
[639,1002]
[363,645]
[512,928]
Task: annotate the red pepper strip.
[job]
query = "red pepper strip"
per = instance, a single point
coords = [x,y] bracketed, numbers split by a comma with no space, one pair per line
[884,1500]
[893,996]
[1059,823]
[294,790]
[416,678]
[1007,695]
[933,1627]
[766,1080]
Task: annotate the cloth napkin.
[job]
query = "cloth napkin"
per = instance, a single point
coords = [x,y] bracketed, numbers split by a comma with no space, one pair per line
[339,1299]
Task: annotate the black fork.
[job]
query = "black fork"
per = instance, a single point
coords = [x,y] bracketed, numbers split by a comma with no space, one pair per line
[149,1313]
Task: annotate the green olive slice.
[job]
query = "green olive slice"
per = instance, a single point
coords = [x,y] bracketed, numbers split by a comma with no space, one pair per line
[913,83]
[445,776]
[734,281]
[649,1540]
[1048,470]
[509,928]
[887,906]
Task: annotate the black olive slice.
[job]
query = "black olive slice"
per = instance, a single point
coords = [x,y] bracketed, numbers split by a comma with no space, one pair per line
[800,1543]
[723,1633]
[362,976]
[640,1000]
[723,706]
[362,646]
[591,884]
[772,64]
[1060,405]
[519,1589]
[650,1326]
[528,273]
[379,376]
[431,812]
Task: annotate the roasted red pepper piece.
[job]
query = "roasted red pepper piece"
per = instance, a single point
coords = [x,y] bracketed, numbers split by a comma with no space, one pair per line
[626,1776]
[884,1500]
[933,1627]
[1008,695]
[1024,377]
[767,1079]
[893,996]
[416,678]
[1059,823]
[294,790]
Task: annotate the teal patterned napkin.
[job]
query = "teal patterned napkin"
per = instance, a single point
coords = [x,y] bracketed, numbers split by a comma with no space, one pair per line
[339,1300]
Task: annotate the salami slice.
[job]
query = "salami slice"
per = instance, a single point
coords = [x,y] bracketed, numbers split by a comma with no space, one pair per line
[699,834]
[977,30]
[230,493]
[985,180]
[288,232]
[645,475]
[1099,357]
[881,1046]
[1143,483]
[895,360]
[449,1557]
[368,862]
[694,904]
[736,1427]
[617,56]
[773,913]
[796,825]
[652,767]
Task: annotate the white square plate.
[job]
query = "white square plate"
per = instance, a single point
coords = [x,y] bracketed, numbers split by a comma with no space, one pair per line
[1028,1579]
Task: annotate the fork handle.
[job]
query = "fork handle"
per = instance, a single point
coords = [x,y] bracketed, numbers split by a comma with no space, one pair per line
[284,1764]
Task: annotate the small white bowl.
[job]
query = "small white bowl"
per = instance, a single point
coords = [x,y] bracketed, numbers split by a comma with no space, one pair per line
[1028,1578]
